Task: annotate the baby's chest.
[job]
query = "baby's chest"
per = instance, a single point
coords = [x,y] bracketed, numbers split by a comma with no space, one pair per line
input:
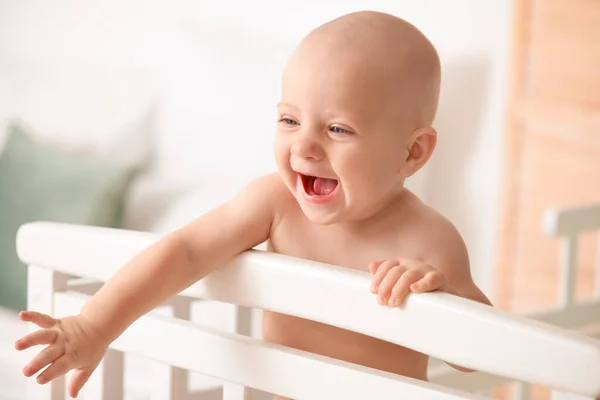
[323,244]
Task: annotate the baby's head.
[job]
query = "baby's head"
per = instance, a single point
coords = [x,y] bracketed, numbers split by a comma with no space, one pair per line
[359,96]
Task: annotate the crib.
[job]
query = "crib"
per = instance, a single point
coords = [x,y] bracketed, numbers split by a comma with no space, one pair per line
[67,263]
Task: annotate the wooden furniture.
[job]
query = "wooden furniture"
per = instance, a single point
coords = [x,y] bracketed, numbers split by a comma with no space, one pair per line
[552,148]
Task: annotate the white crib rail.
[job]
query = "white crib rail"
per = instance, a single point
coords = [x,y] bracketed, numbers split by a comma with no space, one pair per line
[438,324]
[567,224]
[253,363]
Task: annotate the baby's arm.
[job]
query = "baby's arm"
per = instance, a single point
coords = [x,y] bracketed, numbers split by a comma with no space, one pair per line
[183,257]
[161,271]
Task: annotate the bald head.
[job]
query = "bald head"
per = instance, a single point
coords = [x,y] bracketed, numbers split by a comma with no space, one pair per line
[382,54]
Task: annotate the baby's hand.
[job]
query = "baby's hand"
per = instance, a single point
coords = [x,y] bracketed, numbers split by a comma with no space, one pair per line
[393,280]
[73,343]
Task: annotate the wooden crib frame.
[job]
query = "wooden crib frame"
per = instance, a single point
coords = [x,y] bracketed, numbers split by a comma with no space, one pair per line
[66,264]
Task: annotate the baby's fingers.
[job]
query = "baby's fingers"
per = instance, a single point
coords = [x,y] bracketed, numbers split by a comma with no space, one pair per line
[79,378]
[58,368]
[45,336]
[433,280]
[47,356]
[388,282]
[374,265]
[381,272]
[41,320]
[402,287]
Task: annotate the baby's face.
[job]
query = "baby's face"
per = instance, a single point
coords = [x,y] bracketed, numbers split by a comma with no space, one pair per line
[357,99]
[341,142]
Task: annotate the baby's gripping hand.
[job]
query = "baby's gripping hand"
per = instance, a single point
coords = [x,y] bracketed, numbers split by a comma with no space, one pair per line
[73,344]
[393,280]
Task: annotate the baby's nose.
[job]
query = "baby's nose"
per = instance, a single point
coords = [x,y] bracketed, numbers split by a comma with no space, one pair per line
[308,149]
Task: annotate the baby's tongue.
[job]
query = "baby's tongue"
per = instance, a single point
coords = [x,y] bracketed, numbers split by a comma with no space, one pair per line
[324,186]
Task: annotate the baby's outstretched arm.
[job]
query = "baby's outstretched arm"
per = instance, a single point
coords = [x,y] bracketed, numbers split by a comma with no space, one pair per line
[161,271]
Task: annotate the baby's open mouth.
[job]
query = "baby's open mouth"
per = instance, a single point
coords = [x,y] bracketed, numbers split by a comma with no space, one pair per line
[316,186]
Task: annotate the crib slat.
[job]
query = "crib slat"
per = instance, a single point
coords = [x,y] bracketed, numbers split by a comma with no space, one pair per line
[264,366]
[522,391]
[42,283]
[242,324]
[168,382]
[568,271]
[236,392]
[106,383]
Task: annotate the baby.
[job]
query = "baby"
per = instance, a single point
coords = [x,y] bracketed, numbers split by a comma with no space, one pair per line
[359,96]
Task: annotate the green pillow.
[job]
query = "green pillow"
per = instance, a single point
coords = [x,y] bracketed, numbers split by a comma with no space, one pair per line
[39,181]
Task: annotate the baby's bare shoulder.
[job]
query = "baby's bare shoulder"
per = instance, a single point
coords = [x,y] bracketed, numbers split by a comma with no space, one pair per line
[267,187]
[439,229]
[268,193]
[273,190]
[442,246]
[437,239]
[418,216]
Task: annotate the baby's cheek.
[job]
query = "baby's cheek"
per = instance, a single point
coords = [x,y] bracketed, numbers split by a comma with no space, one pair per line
[282,154]
[378,175]
[280,147]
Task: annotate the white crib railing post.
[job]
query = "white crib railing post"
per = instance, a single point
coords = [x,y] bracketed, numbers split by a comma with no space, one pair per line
[107,381]
[242,320]
[235,392]
[568,270]
[522,391]
[171,383]
[42,283]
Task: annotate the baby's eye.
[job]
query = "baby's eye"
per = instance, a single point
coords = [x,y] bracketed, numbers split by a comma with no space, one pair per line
[288,121]
[338,130]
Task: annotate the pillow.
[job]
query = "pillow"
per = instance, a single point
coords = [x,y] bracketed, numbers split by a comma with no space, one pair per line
[109,110]
[40,181]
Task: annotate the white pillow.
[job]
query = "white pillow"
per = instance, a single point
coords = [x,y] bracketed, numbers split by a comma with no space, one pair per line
[102,110]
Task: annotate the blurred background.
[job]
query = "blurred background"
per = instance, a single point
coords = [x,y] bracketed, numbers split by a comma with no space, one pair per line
[144,114]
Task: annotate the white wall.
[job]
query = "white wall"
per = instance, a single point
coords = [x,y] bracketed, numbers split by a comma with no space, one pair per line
[211,70]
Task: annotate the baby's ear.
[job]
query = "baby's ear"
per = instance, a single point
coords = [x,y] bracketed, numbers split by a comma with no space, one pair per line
[420,146]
